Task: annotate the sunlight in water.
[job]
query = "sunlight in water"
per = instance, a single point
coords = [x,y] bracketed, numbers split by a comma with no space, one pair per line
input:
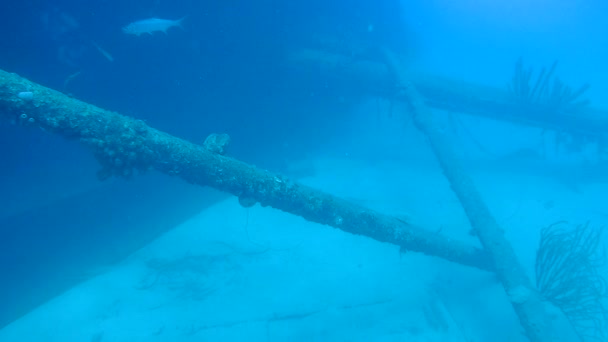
[514,14]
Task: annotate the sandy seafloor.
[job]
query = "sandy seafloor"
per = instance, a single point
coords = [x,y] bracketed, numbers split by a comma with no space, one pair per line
[236,274]
[258,274]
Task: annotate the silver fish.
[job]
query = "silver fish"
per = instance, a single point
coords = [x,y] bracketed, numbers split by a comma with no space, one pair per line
[151,25]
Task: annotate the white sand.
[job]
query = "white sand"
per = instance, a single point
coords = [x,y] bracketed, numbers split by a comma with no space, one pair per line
[262,275]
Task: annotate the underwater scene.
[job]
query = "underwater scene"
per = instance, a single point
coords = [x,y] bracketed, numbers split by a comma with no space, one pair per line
[321,170]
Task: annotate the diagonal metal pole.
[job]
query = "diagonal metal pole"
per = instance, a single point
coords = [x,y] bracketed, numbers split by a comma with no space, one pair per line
[124,145]
[524,298]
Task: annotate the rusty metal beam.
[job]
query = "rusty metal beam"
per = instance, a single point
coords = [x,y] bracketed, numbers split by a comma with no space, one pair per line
[125,146]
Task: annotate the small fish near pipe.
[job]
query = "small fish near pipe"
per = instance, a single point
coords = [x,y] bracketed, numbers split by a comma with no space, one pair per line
[152,25]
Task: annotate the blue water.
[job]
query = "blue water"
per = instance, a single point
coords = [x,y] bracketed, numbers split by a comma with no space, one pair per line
[227,71]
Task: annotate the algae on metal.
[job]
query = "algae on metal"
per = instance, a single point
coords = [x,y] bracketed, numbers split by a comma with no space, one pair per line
[125,146]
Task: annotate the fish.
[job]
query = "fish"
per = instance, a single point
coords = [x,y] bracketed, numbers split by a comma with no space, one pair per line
[151,25]
[102,51]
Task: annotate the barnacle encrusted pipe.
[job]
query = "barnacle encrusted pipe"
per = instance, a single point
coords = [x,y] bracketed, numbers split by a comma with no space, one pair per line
[125,145]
